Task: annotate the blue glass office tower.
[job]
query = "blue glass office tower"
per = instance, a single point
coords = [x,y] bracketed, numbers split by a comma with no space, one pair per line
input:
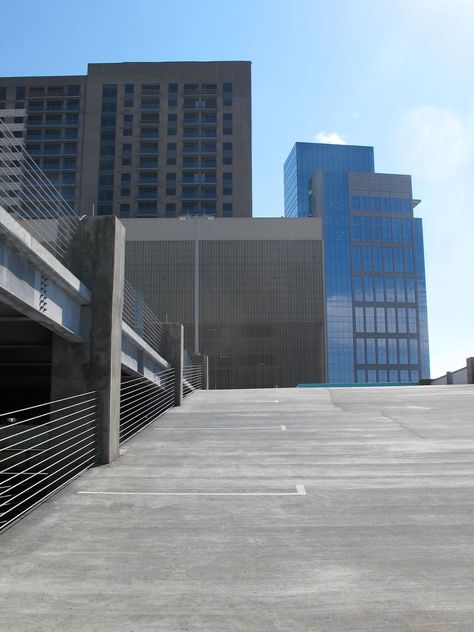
[375,294]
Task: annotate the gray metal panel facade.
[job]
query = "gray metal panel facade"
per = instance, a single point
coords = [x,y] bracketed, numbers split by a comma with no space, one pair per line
[261,304]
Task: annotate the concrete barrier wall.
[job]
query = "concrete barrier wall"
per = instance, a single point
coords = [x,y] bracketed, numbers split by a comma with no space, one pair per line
[464,375]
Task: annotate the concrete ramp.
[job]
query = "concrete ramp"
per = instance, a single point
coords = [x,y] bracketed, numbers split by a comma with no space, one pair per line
[262,510]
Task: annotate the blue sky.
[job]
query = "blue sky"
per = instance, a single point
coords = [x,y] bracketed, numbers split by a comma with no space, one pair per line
[395,74]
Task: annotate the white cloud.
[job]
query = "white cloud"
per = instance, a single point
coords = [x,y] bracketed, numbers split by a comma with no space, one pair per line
[332,138]
[436,142]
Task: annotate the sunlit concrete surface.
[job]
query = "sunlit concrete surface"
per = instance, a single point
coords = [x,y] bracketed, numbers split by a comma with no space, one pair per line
[210,532]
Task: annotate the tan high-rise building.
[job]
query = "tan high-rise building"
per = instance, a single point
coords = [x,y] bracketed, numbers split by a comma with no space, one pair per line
[143,139]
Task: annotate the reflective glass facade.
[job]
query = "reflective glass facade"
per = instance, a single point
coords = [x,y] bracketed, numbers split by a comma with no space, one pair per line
[375,293]
[306,158]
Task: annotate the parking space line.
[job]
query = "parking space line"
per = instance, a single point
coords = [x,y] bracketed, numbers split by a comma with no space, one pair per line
[300,491]
[222,428]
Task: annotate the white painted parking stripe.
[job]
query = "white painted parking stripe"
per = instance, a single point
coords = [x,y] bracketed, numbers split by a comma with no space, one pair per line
[300,491]
[222,428]
[283,428]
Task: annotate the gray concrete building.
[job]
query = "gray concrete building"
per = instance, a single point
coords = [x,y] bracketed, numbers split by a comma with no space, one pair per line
[254,287]
[142,139]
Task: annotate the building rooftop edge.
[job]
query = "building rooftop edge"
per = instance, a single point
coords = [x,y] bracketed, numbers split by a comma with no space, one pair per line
[333,145]
[130,63]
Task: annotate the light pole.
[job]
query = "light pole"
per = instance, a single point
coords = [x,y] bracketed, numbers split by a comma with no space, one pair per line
[196,275]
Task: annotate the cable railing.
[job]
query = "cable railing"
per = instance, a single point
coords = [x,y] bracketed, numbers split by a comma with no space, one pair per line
[28,193]
[144,399]
[139,316]
[129,313]
[193,375]
[42,448]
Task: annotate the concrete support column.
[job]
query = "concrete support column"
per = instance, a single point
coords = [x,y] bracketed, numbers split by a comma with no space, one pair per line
[470,370]
[173,351]
[203,360]
[97,258]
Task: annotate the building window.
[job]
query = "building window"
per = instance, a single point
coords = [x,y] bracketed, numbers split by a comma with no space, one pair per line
[104,208]
[125,184]
[151,88]
[148,148]
[125,210]
[171,154]
[147,193]
[172,95]
[147,209]
[126,154]
[227,153]
[128,95]
[227,123]
[170,210]
[227,90]
[127,124]
[227,209]
[148,162]
[106,180]
[170,184]
[73,91]
[108,120]
[172,124]
[227,183]
[109,91]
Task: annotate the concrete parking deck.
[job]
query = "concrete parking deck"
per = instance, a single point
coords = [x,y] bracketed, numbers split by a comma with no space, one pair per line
[317,510]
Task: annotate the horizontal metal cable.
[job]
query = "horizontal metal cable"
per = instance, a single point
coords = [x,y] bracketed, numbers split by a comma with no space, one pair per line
[34,460]
[73,474]
[152,394]
[54,454]
[44,473]
[137,410]
[89,461]
[51,455]
[127,393]
[35,447]
[139,403]
[38,198]
[126,382]
[143,423]
[150,328]
[129,379]
[134,410]
[145,391]
[44,232]
[35,428]
[154,413]
[26,157]
[41,205]
[55,401]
